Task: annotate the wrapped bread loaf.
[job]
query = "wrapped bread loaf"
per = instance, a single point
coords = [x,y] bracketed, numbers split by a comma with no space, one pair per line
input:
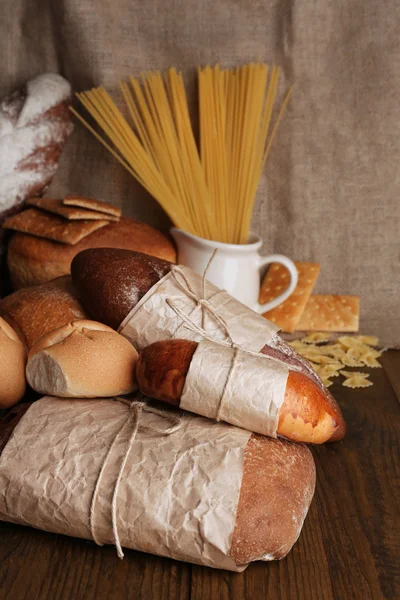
[35,311]
[190,489]
[34,125]
[139,296]
[254,392]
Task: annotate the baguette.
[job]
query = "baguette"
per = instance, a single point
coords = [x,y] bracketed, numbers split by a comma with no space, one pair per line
[277,487]
[35,311]
[111,282]
[12,366]
[82,359]
[305,415]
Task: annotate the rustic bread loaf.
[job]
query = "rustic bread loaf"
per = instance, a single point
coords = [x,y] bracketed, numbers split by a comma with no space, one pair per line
[33,260]
[82,359]
[306,415]
[277,487]
[35,311]
[12,366]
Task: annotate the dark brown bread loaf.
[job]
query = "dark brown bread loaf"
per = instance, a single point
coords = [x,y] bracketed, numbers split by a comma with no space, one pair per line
[111,283]
[277,488]
[306,415]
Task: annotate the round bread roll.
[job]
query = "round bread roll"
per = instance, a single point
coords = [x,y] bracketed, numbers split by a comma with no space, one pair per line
[37,310]
[83,359]
[33,260]
[12,366]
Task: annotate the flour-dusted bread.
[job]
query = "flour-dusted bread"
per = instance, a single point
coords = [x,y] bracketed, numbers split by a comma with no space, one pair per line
[277,488]
[83,359]
[12,366]
[33,260]
[35,311]
[34,125]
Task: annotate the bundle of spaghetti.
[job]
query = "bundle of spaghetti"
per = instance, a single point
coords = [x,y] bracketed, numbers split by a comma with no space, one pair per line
[235,138]
[210,194]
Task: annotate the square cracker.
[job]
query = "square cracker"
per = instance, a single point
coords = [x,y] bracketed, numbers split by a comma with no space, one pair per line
[287,314]
[72,213]
[330,313]
[91,204]
[51,227]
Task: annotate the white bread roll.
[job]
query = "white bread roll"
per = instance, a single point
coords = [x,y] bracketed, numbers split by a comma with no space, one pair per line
[83,359]
[12,366]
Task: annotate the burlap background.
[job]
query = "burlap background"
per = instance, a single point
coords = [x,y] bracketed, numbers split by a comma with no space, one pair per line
[331,189]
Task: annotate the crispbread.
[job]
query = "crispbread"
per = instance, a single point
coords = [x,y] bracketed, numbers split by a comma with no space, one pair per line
[50,226]
[330,313]
[287,314]
[72,213]
[91,204]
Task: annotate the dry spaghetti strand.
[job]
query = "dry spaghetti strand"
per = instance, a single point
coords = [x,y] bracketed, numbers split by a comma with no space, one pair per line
[210,193]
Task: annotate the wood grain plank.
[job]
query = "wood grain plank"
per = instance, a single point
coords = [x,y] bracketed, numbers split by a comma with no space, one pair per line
[348,549]
[287,579]
[391,363]
[349,545]
[42,566]
[358,487]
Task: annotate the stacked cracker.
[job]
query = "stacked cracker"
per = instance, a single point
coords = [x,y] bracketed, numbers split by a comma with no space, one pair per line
[319,314]
[303,311]
[67,221]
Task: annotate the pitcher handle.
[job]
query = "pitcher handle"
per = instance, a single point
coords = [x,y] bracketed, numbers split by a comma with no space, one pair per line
[291,267]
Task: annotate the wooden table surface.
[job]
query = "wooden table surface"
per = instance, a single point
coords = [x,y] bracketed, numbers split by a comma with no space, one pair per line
[349,548]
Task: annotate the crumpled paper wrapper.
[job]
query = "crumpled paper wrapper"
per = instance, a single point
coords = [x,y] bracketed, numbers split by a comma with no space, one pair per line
[178,496]
[152,319]
[245,390]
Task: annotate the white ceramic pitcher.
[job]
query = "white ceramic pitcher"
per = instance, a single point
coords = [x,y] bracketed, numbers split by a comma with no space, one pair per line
[234,268]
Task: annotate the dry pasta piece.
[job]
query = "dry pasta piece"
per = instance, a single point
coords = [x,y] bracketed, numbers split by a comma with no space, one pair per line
[331,370]
[367,350]
[368,340]
[335,350]
[316,338]
[326,381]
[298,345]
[321,359]
[350,361]
[349,341]
[355,379]
[370,361]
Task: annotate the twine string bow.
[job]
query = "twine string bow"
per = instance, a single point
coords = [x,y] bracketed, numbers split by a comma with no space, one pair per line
[134,415]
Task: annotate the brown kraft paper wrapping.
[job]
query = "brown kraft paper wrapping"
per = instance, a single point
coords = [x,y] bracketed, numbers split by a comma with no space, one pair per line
[177,497]
[234,386]
[152,319]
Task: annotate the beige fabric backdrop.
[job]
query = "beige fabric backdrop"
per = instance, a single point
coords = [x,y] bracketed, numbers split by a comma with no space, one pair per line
[331,189]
